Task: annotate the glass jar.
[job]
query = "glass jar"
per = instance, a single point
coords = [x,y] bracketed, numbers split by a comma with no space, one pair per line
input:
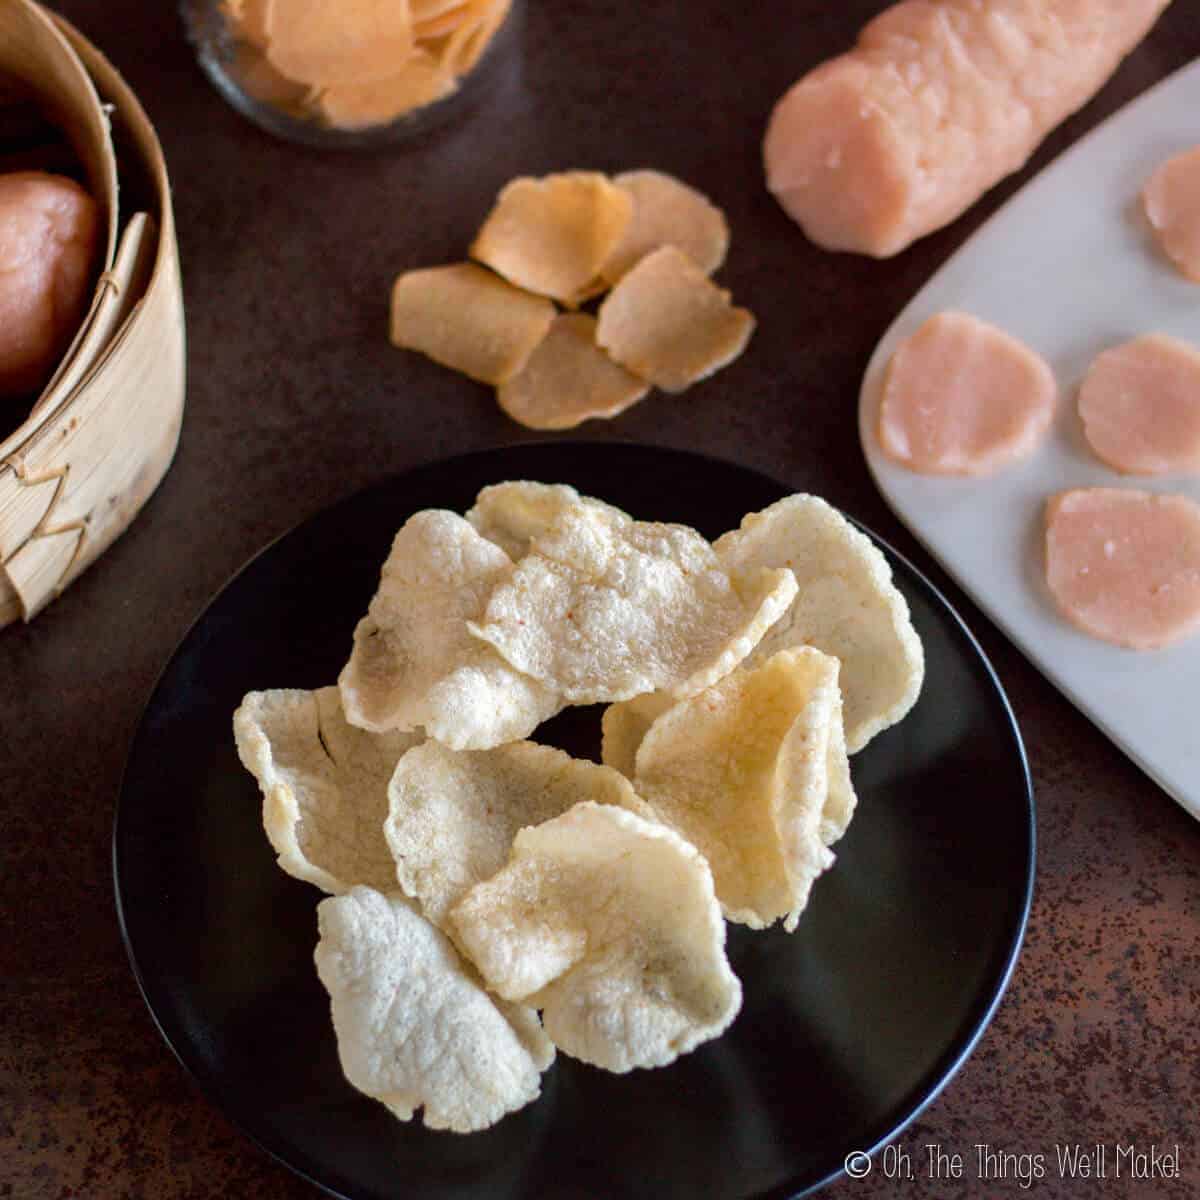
[352,73]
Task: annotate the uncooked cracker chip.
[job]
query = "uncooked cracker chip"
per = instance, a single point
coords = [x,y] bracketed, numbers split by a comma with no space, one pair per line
[350,42]
[753,772]
[669,323]
[414,664]
[609,924]
[435,20]
[666,212]
[604,608]
[453,815]
[466,318]
[569,379]
[418,81]
[324,785]
[513,513]
[552,235]
[414,1026]
[474,34]
[846,605]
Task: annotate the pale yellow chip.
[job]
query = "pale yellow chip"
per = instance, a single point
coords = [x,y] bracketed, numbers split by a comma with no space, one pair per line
[414,663]
[348,42]
[415,1028]
[513,513]
[847,605]
[551,236]
[624,726]
[667,322]
[569,379]
[608,923]
[420,80]
[605,608]
[324,785]
[666,212]
[468,319]
[753,772]
[453,815]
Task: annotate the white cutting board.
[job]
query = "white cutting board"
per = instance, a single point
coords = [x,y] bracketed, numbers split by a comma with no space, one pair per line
[1068,265]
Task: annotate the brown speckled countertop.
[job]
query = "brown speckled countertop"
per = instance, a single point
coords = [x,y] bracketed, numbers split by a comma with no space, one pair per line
[296,399]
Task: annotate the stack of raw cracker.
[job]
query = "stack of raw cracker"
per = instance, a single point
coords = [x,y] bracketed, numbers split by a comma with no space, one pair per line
[358,63]
[479,878]
[569,238]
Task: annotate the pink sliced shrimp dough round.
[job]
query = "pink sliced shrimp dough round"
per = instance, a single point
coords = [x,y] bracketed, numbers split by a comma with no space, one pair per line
[1124,565]
[1140,406]
[1171,199]
[962,397]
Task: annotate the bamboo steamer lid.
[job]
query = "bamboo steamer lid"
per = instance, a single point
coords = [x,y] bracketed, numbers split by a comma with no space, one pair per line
[104,431]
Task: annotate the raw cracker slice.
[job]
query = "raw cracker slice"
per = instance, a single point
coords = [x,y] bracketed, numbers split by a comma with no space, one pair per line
[349,42]
[669,323]
[569,379]
[753,772]
[415,1028]
[667,212]
[551,236]
[420,80]
[414,663]
[453,815]
[468,319]
[467,44]
[608,923]
[846,605]
[324,785]
[604,608]
[513,513]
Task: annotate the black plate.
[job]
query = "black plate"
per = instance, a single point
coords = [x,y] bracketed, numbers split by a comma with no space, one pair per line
[850,1026]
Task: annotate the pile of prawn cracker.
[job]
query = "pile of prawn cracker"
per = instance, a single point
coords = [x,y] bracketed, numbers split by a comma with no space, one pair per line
[643,240]
[358,63]
[494,901]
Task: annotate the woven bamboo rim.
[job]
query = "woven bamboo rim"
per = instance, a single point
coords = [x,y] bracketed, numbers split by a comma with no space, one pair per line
[103,433]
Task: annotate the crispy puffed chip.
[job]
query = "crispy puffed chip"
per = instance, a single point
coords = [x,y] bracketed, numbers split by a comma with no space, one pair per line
[551,236]
[608,923]
[414,663]
[469,320]
[324,786]
[513,513]
[466,45]
[453,815]
[847,605]
[624,726]
[669,323]
[604,608]
[569,379]
[352,41]
[666,212]
[753,772]
[415,1028]
[419,80]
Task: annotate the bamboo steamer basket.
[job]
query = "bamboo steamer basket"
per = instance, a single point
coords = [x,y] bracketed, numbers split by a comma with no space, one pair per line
[103,432]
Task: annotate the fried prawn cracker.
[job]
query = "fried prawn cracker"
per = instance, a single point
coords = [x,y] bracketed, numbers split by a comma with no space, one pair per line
[324,785]
[608,923]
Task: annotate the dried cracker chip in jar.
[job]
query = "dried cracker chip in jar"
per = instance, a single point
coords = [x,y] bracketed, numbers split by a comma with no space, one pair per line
[667,212]
[669,323]
[569,379]
[436,18]
[324,784]
[453,815]
[419,80]
[249,18]
[552,236]
[753,772]
[846,605]
[603,608]
[414,663]
[469,320]
[350,42]
[479,24]
[415,1027]
[608,923]
[513,513]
